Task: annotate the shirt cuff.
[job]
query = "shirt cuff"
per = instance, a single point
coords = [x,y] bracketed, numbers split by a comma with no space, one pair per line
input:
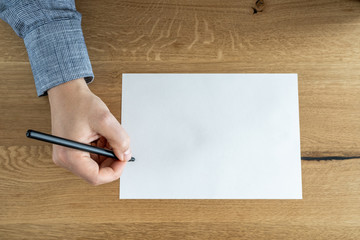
[58,54]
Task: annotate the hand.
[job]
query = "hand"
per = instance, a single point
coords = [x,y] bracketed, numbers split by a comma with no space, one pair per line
[79,115]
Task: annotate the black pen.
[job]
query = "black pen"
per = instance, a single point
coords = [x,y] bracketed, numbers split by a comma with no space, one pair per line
[71,144]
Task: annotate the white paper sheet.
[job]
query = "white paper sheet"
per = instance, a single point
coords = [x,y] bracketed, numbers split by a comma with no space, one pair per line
[212,136]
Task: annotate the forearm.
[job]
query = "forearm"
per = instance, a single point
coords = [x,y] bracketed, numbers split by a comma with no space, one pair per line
[53,38]
[61,66]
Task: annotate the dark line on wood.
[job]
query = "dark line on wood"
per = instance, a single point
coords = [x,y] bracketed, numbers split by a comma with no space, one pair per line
[255,11]
[328,158]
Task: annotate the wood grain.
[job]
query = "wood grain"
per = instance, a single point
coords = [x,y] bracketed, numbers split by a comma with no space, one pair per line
[39,195]
[319,40]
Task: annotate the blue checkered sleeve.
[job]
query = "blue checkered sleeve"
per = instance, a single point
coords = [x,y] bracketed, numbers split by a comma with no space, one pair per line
[53,37]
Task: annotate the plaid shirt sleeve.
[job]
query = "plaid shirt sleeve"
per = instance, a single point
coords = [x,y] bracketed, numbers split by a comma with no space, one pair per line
[53,37]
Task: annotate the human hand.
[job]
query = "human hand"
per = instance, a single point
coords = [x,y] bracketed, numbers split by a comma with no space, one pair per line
[79,115]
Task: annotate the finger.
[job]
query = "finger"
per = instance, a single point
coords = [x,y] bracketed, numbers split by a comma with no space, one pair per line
[108,145]
[127,155]
[110,170]
[95,157]
[109,127]
[82,165]
[102,144]
[107,162]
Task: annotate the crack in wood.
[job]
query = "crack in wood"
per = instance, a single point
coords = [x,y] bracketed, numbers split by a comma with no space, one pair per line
[329,158]
[259,6]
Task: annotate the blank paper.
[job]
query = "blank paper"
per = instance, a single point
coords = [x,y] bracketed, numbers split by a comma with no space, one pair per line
[212,136]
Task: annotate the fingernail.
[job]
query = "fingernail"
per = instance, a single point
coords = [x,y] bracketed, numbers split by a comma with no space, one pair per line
[127,152]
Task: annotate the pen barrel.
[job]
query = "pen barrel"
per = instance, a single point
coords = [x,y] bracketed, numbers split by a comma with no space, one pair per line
[69,143]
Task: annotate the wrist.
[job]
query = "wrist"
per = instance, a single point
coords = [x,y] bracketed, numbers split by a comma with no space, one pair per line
[66,90]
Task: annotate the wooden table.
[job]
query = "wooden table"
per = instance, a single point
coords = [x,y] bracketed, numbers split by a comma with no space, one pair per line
[319,40]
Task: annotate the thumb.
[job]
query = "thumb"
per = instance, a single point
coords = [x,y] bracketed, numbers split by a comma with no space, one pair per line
[109,127]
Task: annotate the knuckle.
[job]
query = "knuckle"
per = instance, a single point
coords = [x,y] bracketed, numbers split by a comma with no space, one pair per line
[106,118]
[125,144]
[93,181]
[59,157]
[56,161]
[92,176]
